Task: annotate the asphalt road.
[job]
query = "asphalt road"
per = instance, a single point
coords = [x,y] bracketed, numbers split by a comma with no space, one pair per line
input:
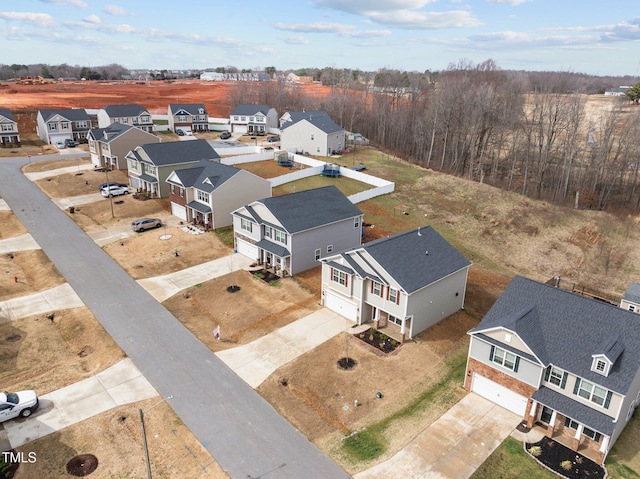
[242,431]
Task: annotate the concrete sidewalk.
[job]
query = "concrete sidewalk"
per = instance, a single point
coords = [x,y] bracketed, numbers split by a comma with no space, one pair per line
[4,206]
[18,243]
[163,287]
[59,297]
[454,446]
[65,203]
[256,361]
[120,384]
[38,175]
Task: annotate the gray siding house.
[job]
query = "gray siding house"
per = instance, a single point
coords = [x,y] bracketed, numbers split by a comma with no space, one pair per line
[258,119]
[207,193]
[108,146]
[631,299]
[60,125]
[150,165]
[406,282]
[311,132]
[188,116]
[565,361]
[9,136]
[287,232]
[132,114]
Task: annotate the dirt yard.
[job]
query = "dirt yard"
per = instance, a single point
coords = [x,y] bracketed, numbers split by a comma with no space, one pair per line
[11,225]
[26,272]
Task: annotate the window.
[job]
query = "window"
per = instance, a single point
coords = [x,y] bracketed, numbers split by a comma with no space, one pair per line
[330,248]
[356,222]
[182,118]
[592,434]
[246,225]
[600,366]
[145,119]
[235,118]
[133,164]
[243,118]
[280,236]
[317,254]
[7,127]
[632,308]
[151,170]
[64,125]
[504,358]
[394,297]
[556,376]
[53,127]
[593,393]
[317,149]
[376,288]
[395,320]
[251,119]
[201,110]
[181,192]
[339,277]
[570,423]
[546,415]
[81,124]
[630,412]
[203,197]
[173,189]
[312,136]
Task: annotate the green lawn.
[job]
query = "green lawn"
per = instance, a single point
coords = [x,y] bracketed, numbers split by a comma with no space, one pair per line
[510,461]
[346,185]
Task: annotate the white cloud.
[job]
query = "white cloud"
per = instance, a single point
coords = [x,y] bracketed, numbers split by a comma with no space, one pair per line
[341,29]
[509,2]
[115,10]
[39,19]
[93,19]
[73,3]
[364,7]
[295,40]
[411,20]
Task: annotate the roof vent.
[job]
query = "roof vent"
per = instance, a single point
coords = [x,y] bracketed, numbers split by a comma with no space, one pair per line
[427,252]
[419,234]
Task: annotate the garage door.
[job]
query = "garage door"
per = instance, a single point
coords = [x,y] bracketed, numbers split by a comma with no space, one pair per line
[179,211]
[247,249]
[341,306]
[502,396]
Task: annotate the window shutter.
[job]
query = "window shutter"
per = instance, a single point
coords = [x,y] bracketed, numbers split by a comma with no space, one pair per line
[547,374]
[388,288]
[346,280]
[331,274]
[517,363]
[372,286]
[564,380]
[398,297]
[577,386]
[607,401]
[493,349]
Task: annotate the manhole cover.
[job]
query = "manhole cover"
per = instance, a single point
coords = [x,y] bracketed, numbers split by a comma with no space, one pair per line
[13,338]
[82,465]
[233,289]
[166,237]
[347,363]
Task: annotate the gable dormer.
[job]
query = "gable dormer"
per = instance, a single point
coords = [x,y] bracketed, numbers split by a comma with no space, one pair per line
[606,355]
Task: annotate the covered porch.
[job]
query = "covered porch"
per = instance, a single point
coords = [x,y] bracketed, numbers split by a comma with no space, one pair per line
[274,257]
[147,184]
[200,214]
[392,326]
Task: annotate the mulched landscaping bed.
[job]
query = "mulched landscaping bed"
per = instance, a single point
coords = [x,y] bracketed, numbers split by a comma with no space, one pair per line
[379,340]
[554,456]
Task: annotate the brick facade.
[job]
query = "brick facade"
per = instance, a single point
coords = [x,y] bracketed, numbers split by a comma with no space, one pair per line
[499,377]
[175,197]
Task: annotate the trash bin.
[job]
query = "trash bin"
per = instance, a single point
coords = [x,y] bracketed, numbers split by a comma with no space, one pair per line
[72,209]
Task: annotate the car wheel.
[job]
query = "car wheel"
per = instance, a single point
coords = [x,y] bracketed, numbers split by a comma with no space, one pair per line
[158,225]
[110,195]
[25,412]
[126,192]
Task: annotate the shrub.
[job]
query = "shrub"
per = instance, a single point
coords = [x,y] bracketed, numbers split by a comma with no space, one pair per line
[566,465]
[535,451]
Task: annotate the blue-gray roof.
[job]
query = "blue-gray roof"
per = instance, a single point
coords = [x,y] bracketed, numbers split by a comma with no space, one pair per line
[248,110]
[633,293]
[216,174]
[566,329]
[319,119]
[110,132]
[71,114]
[6,113]
[310,208]
[176,152]
[416,258]
[122,111]
[191,108]
[274,248]
[201,207]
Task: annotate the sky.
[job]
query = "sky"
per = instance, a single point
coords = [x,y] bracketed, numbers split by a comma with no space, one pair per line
[584,36]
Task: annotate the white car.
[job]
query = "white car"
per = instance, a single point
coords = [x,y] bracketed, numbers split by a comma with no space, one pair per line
[22,403]
[59,145]
[114,190]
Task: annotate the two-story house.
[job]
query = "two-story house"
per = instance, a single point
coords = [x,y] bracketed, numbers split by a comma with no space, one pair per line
[9,136]
[565,361]
[188,116]
[311,132]
[132,114]
[150,165]
[406,282]
[631,299]
[60,125]
[290,232]
[108,146]
[253,119]
[209,192]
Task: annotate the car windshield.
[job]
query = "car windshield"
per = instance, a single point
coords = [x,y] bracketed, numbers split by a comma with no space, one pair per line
[12,397]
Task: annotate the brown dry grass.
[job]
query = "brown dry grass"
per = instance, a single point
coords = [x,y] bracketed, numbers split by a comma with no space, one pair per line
[34,272]
[115,438]
[83,182]
[11,225]
[47,165]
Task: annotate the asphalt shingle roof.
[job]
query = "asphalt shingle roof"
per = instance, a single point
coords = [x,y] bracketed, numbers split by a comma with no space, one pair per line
[633,293]
[175,152]
[191,108]
[248,110]
[416,258]
[112,131]
[311,208]
[71,114]
[566,329]
[122,111]
[319,119]
[217,173]
[6,113]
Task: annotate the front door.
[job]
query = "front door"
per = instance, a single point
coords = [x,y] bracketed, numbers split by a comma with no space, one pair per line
[545,415]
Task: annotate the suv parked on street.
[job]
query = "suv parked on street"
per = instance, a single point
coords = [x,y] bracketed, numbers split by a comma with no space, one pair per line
[142,224]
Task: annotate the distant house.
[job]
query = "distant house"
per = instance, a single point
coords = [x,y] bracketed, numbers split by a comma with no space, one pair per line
[188,116]
[617,91]
[631,299]
[312,132]
[9,136]
[559,359]
[406,282]
[251,119]
[60,125]
[289,233]
[207,193]
[132,114]
[212,76]
[108,146]
[150,165]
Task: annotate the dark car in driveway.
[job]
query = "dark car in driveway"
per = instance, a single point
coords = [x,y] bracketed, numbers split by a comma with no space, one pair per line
[272,139]
[225,135]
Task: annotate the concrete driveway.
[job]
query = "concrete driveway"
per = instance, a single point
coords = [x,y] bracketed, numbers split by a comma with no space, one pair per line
[454,446]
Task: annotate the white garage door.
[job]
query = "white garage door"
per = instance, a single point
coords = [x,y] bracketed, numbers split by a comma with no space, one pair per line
[179,211]
[502,396]
[341,306]
[247,249]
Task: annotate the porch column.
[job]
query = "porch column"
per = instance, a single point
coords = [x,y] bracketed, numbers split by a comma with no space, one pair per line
[605,444]
[532,414]
[575,443]
[552,424]
[403,328]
